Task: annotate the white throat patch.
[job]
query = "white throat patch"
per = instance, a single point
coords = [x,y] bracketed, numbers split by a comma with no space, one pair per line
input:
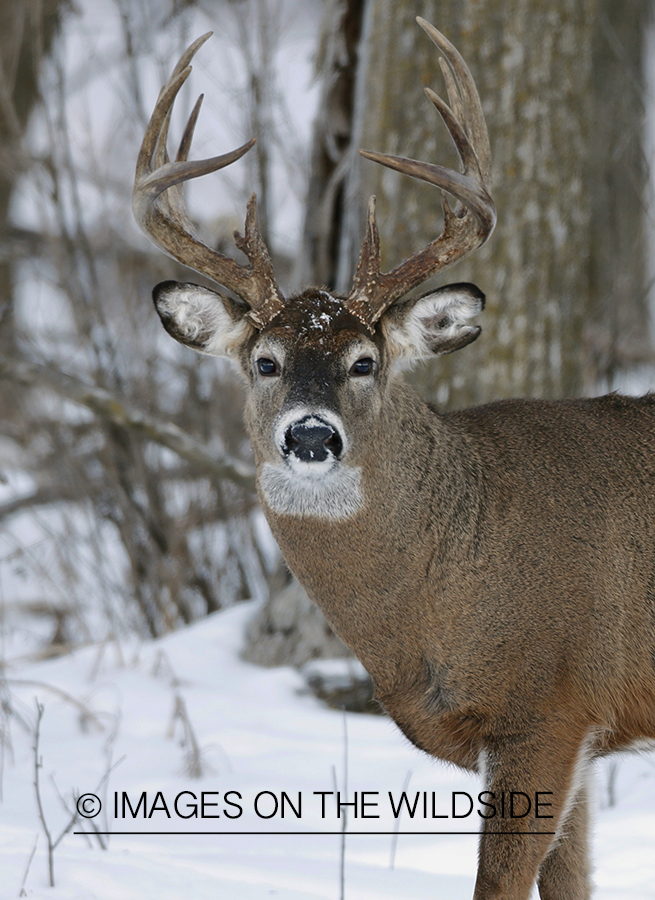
[332,493]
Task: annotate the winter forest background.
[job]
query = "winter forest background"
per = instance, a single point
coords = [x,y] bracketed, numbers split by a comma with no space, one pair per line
[127,508]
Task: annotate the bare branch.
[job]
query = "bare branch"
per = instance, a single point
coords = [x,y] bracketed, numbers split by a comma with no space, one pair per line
[86,712]
[109,407]
[23,892]
[42,496]
[38,764]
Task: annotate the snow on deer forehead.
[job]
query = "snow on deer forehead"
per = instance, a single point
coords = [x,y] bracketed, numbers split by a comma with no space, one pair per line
[316,317]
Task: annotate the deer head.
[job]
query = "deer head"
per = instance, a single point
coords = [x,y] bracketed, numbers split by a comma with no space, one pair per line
[316,364]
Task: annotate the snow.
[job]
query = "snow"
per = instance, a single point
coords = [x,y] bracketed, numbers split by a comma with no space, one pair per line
[258,731]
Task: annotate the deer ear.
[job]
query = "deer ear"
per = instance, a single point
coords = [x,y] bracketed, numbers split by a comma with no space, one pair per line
[436,323]
[200,318]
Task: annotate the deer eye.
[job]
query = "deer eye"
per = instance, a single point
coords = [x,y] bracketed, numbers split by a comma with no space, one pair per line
[266,366]
[362,367]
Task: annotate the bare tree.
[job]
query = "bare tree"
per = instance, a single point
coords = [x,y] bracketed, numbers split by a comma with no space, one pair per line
[171,536]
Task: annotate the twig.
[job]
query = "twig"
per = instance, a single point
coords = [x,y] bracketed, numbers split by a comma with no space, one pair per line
[42,496]
[38,764]
[22,892]
[344,818]
[110,407]
[91,823]
[344,824]
[86,712]
[193,753]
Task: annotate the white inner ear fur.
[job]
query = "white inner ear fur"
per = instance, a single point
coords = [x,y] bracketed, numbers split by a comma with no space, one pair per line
[200,318]
[434,323]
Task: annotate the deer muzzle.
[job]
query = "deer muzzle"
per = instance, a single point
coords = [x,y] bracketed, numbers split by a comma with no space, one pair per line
[312,439]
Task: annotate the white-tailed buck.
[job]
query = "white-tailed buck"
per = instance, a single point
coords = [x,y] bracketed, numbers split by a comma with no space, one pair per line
[494,568]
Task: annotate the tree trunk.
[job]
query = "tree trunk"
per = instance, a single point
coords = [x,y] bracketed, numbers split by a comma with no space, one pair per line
[561,87]
[27,30]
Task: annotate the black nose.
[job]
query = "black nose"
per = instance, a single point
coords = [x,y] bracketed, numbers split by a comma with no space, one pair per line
[312,440]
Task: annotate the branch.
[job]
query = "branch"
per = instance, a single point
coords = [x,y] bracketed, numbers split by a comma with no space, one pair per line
[38,764]
[110,408]
[23,892]
[20,243]
[42,496]
[84,710]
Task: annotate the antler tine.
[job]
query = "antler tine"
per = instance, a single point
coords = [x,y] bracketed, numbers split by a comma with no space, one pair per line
[184,60]
[187,137]
[457,132]
[474,216]
[159,208]
[463,96]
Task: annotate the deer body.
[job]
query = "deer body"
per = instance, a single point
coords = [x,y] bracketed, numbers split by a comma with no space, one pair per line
[493,569]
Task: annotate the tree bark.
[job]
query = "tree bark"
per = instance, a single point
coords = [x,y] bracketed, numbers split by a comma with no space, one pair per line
[27,29]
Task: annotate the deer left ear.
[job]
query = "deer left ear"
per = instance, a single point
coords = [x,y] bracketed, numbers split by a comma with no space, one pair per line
[436,323]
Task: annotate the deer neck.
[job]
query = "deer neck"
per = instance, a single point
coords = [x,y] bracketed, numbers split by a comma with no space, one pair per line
[374,574]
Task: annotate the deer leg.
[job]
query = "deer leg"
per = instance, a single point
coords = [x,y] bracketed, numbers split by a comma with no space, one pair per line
[565,873]
[543,768]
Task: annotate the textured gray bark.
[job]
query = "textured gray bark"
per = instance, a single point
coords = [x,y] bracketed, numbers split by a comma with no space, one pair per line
[616,334]
[332,144]
[27,29]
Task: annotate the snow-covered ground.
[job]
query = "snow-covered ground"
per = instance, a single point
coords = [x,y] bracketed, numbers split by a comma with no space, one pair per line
[112,709]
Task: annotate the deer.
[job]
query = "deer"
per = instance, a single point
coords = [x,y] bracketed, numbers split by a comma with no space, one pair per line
[493,568]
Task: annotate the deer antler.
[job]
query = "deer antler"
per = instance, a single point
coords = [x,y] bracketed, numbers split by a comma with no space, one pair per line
[159,209]
[466,226]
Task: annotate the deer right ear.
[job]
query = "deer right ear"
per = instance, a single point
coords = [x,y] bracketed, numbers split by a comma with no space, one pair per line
[200,318]
[436,323]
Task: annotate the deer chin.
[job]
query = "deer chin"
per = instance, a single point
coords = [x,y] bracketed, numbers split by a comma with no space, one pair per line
[321,490]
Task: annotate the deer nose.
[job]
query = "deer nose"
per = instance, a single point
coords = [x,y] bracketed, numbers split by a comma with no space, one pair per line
[312,440]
